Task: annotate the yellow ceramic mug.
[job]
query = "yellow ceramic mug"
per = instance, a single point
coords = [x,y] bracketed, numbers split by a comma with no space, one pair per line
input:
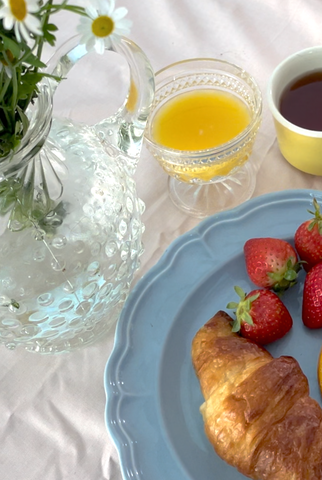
[302,148]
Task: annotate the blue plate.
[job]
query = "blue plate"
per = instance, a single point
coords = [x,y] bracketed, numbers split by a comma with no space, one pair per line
[153,395]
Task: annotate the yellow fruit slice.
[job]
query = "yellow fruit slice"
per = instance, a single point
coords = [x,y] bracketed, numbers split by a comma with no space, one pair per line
[320,371]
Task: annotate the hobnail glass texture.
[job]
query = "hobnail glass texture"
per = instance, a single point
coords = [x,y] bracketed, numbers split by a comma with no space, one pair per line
[71,234]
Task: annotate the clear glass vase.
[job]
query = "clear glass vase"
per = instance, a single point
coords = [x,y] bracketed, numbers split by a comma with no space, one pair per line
[70,218]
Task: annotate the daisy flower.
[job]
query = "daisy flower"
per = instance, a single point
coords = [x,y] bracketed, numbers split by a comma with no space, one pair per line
[103,24]
[17,14]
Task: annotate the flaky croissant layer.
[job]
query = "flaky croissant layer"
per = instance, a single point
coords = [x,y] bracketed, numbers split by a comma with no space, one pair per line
[257,413]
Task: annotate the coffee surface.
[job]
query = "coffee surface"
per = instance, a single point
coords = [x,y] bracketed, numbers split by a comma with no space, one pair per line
[301,101]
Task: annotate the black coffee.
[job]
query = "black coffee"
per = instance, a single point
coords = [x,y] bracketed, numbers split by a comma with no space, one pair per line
[301,101]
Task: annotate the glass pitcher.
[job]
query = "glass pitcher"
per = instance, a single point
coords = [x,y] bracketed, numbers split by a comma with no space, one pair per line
[70,217]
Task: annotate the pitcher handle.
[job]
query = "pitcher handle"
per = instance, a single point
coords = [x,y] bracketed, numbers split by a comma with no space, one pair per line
[124,130]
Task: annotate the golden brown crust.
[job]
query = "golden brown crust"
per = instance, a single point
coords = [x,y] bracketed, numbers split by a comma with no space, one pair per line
[293,446]
[221,357]
[257,411]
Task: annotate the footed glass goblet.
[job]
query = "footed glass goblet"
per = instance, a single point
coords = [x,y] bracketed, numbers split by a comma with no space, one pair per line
[208,179]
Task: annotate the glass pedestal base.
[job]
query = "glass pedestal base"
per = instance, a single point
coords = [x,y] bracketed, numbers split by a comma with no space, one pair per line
[206,199]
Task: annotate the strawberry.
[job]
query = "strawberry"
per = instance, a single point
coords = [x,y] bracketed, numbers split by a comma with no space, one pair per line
[312,298]
[308,239]
[271,263]
[261,316]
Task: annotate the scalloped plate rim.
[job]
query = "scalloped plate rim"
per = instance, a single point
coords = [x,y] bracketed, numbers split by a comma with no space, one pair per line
[117,433]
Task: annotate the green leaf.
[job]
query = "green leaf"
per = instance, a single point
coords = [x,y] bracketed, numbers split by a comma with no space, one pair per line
[247,303]
[236,326]
[273,275]
[17,128]
[51,27]
[49,38]
[11,45]
[289,262]
[28,84]
[240,292]
[32,60]
[252,299]
[290,275]
[232,305]
[21,88]
[311,225]
[316,206]
[23,118]
[247,318]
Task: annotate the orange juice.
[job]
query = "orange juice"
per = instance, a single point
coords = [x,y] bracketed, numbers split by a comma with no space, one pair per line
[200,119]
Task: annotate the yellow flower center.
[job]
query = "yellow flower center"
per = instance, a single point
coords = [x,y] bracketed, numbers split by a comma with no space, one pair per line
[18,9]
[102,26]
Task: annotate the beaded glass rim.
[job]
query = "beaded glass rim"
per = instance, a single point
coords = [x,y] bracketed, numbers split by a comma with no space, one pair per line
[184,75]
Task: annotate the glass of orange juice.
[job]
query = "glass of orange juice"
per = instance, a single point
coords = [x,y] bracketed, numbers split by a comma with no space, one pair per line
[201,129]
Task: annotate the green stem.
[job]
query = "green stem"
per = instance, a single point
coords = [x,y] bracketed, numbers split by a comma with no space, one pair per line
[63,6]
[14,95]
[45,20]
[72,8]
[49,8]
[24,56]
[8,118]
[11,89]
[14,90]
[4,88]
[1,75]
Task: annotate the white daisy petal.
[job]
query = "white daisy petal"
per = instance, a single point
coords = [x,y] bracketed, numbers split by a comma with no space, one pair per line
[119,13]
[91,12]
[8,22]
[4,12]
[17,33]
[79,28]
[110,8]
[90,44]
[24,32]
[33,24]
[105,29]
[120,33]
[108,42]
[86,38]
[23,21]
[102,7]
[122,29]
[100,46]
[84,23]
[33,8]
[8,71]
[117,37]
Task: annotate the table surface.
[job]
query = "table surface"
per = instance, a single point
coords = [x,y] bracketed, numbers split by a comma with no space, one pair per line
[52,407]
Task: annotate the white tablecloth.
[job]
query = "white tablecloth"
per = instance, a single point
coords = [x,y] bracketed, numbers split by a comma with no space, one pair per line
[52,407]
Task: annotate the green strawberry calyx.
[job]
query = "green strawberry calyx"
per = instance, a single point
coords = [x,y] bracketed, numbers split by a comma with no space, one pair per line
[286,279]
[242,308]
[317,220]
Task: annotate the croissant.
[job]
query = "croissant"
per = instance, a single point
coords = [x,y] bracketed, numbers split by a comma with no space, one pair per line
[257,413]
